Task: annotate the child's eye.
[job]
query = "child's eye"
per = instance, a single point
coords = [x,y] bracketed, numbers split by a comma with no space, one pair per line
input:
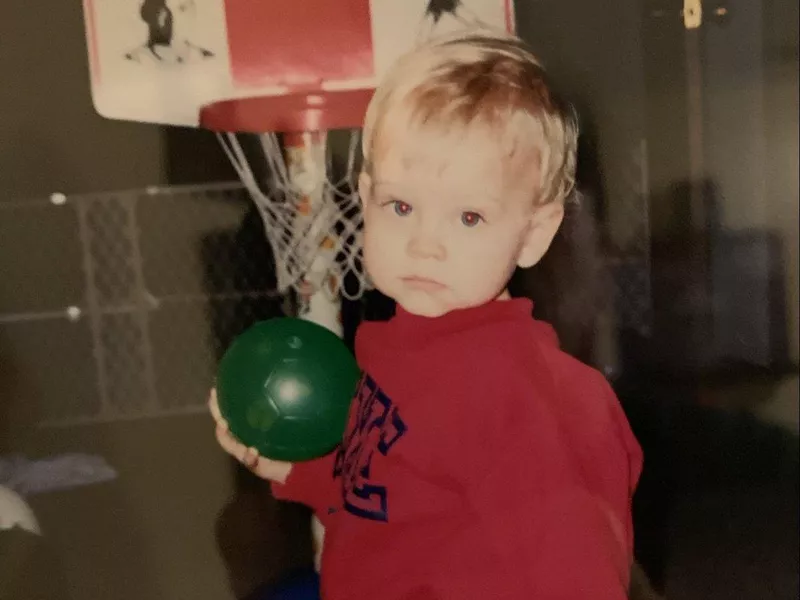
[471,219]
[401,208]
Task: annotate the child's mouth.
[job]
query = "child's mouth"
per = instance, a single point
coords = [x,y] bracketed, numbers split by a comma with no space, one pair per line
[423,284]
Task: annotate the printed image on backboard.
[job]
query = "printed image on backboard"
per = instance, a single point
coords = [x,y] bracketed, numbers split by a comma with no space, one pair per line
[398,25]
[159,61]
[153,60]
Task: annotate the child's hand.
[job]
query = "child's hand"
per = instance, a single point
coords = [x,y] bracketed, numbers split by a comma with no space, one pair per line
[272,470]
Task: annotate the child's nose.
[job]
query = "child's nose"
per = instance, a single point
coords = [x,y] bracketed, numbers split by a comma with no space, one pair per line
[426,245]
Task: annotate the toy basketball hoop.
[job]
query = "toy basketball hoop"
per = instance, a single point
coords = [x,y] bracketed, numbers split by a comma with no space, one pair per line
[312,216]
[290,73]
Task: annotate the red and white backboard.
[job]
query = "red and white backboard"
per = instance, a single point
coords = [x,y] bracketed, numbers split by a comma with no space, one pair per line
[160,61]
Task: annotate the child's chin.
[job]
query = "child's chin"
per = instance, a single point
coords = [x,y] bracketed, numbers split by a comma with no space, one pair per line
[424,308]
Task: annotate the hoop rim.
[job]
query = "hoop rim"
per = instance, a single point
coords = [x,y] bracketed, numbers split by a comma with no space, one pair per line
[297,112]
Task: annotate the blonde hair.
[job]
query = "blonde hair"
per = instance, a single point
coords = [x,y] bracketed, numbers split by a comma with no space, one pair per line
[484,80]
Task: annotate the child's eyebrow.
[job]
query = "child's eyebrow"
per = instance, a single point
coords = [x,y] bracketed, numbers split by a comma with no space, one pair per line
[471,201]
[381,195]
[385,184]
[487,201]
[387,189]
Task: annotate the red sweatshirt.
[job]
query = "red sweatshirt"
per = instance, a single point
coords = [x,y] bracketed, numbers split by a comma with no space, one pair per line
[480,462]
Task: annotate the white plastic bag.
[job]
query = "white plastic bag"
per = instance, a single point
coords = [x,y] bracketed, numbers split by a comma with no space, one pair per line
[27,477]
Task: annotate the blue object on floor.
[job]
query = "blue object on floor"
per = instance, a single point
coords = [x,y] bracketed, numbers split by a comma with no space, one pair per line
[302,585]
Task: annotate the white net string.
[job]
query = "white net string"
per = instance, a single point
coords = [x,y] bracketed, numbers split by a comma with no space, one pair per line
[313,222]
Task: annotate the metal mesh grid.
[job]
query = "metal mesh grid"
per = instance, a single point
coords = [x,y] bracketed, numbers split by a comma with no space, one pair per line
[165,279]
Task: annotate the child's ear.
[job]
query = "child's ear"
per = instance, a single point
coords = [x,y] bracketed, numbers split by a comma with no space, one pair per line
[543,227]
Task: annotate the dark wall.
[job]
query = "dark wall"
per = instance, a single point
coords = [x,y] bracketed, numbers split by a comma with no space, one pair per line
[157,539]
[51,139]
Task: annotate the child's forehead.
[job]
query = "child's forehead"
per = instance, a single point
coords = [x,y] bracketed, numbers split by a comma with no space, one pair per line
[463,162]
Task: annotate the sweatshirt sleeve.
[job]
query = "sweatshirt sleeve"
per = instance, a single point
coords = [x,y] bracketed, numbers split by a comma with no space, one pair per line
[310,483]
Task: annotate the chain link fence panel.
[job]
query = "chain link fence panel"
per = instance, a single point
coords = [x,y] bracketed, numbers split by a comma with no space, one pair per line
[119,305]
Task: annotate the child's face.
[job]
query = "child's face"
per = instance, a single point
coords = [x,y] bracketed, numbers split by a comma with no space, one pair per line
[445,234]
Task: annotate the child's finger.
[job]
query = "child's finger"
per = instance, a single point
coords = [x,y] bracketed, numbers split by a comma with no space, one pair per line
[228,442]
[272,470]
[213,405]
[250,458]
[223,437]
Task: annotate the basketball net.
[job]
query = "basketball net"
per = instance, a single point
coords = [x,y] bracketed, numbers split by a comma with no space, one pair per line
[312,221]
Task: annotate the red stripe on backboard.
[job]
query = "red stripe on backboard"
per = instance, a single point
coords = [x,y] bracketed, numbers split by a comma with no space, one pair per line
[298,43]
[91,40]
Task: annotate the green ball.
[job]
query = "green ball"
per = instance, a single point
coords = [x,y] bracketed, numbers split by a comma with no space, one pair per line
[285,387]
